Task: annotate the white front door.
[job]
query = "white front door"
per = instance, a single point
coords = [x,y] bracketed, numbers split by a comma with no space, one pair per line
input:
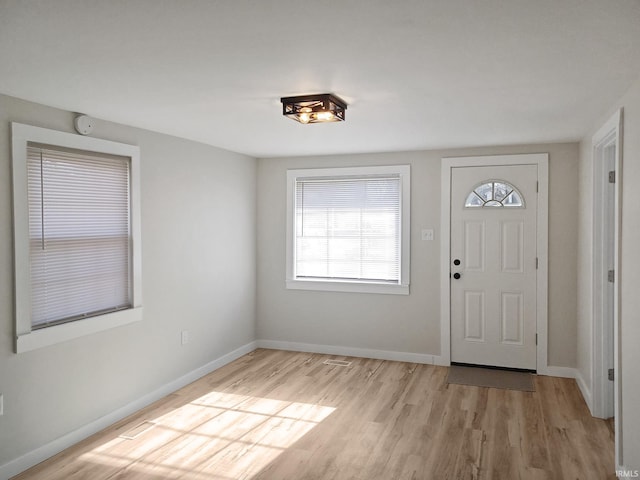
[493,265]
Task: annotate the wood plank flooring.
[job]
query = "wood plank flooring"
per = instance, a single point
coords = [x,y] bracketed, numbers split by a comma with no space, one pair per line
[288,416]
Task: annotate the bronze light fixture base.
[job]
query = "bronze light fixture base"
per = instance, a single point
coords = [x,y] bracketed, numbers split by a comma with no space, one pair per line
[318,108]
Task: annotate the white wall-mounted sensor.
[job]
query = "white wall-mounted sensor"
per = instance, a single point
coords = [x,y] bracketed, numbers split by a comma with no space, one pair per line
[83,124]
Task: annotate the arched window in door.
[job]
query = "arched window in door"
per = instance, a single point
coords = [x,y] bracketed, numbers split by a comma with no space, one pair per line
[494,193]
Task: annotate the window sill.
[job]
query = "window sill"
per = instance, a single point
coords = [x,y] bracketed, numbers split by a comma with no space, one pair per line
[347,286]
[69,331]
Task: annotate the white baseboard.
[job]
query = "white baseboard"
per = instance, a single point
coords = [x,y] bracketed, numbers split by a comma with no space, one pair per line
[586,391]
[351,352]
[40,454]
[562,372]
[570,372]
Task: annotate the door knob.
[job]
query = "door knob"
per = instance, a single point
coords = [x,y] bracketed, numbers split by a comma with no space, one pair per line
[456,276]
[456,262]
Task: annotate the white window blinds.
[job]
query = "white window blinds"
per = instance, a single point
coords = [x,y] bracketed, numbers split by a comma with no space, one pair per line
[348,228]
[79,229]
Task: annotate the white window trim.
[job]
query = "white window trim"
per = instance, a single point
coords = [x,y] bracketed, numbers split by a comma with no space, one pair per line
[26,339]
[351,285]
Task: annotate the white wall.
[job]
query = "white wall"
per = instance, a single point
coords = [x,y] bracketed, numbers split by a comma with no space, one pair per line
[585,267]
[399,323]
[630,270]
[198,261]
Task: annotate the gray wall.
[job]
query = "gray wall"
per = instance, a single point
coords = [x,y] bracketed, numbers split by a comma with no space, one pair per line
[395,322]
[629,270]
[200,223]
[198,264]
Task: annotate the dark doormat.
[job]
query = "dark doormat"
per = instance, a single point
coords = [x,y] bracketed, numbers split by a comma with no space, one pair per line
[491,377]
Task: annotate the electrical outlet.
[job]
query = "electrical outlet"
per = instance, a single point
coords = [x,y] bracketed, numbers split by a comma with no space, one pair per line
[184,337]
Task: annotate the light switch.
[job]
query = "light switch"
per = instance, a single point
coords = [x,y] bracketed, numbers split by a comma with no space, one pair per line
[427,234]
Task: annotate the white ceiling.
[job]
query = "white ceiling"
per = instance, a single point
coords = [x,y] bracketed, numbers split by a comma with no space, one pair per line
[417,74]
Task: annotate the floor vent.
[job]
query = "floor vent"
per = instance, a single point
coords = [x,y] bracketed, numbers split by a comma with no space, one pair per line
[337,363]
[138,430]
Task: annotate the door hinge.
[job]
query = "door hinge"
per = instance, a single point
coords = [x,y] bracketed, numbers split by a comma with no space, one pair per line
[536,339]
[611,275]
[537,187]
[611,374]
[612,176]
[536,263]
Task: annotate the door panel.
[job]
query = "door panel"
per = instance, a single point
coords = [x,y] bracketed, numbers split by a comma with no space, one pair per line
[474,316]
[512,247]
[512,314]
[474,245]
[493,302]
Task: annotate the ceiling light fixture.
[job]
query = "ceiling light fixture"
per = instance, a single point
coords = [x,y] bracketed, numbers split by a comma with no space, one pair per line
[318,108]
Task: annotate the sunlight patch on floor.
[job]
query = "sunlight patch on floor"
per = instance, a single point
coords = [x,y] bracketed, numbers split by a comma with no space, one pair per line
[217,436]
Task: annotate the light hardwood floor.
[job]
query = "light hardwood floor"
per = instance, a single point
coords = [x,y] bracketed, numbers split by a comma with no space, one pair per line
[287,416]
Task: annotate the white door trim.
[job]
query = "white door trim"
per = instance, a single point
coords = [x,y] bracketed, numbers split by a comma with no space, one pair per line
[610,131]
[542,162]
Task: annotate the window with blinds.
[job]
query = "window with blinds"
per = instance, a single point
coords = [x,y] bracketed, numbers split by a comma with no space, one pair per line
[349,228]
[79,234]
